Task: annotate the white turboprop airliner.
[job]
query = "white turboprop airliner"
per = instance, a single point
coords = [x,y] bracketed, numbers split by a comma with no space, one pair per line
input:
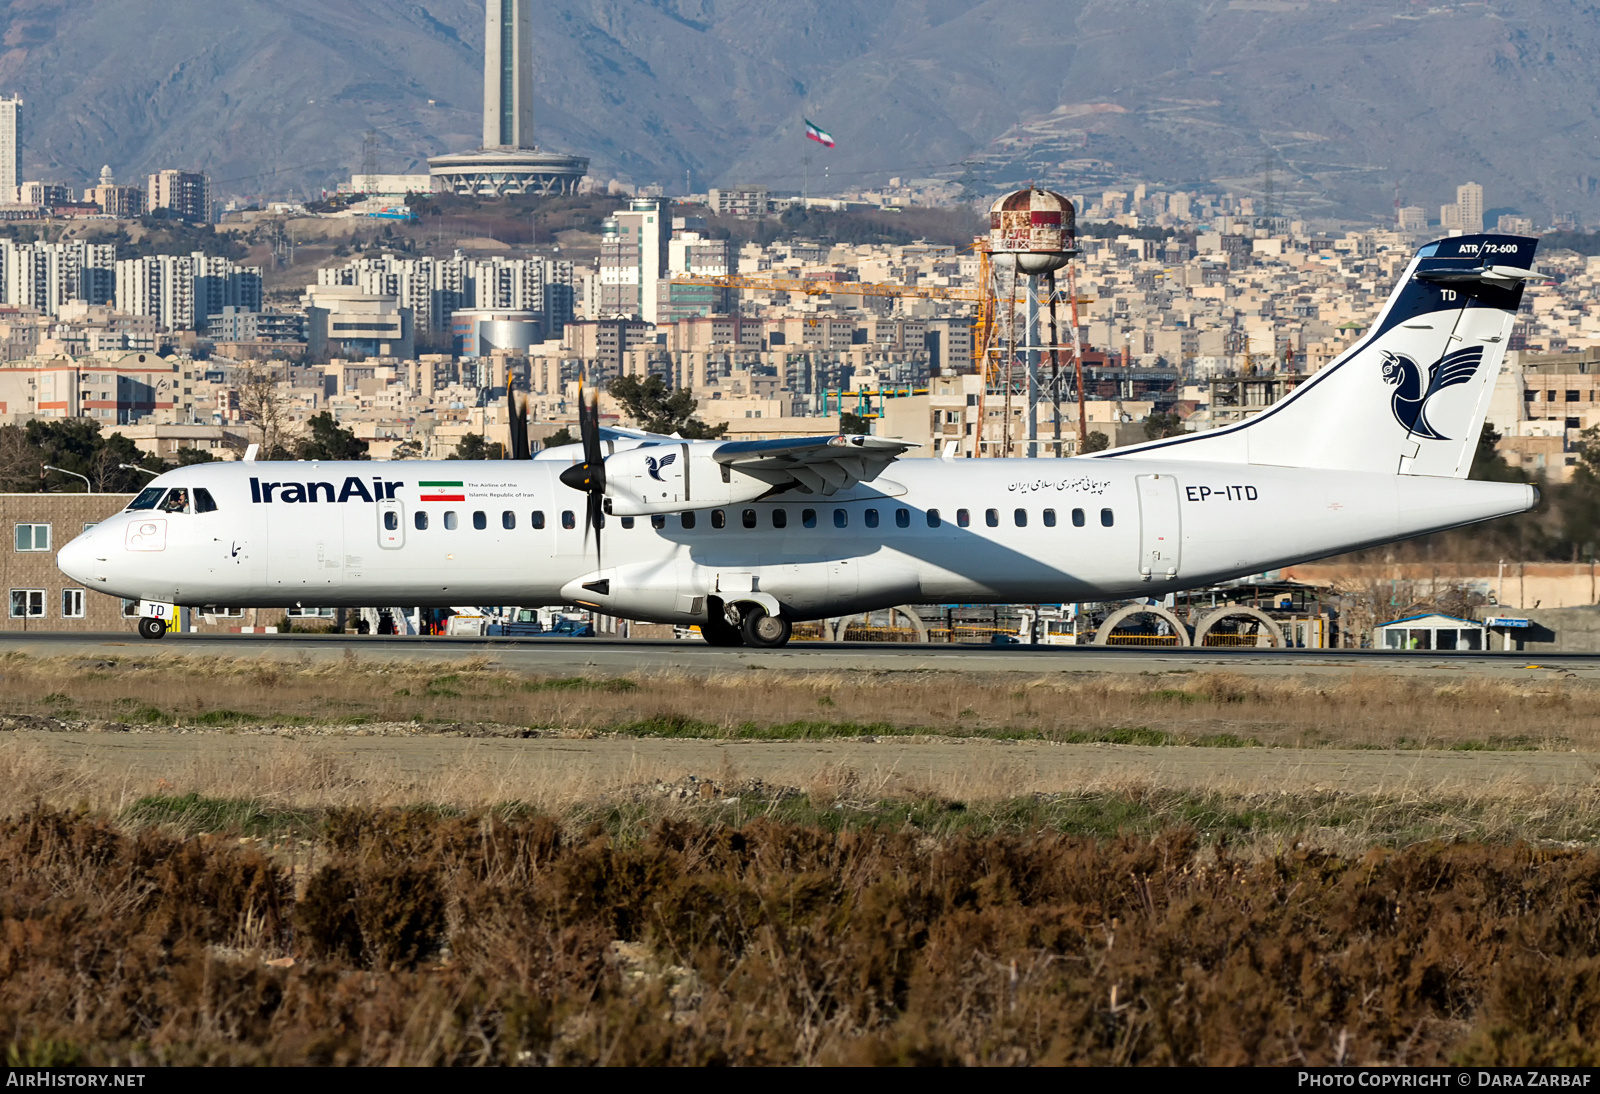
[744,538]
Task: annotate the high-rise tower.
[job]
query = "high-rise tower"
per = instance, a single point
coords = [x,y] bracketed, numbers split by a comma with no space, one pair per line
[508,75]
[509,162]
[10,147]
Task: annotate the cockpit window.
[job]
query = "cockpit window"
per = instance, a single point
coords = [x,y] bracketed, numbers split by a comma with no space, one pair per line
[203,502]
[176,501]
[148,497]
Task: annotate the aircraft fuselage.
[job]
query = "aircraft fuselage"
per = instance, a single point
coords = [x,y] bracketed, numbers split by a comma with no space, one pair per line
[928,530]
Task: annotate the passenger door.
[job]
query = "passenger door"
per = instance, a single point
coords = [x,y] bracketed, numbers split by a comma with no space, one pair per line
[391,524]
[1160,533]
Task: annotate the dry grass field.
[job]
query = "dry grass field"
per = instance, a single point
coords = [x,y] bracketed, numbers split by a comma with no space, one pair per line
[1365,710]
[281,896]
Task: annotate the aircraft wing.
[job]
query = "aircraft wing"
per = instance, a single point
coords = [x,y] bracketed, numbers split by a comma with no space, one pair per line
[614,438]
[814,465]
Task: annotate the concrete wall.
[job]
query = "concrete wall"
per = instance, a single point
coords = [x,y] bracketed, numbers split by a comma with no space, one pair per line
[1523,586]
[1554,630]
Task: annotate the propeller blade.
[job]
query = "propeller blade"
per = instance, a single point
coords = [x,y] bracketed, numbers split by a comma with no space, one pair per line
[519,425]
[590,475]
[596,519]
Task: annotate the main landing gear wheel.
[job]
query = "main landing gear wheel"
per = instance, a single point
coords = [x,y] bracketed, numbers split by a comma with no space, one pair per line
[150,627]
[764,631]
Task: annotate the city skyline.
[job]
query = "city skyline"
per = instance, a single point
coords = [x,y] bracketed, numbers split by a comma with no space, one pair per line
[665,97]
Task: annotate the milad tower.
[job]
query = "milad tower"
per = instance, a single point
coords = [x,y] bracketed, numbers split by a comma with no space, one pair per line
[508,162]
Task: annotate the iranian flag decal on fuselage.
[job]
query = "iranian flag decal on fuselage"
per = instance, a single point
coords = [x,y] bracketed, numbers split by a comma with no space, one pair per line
[441,491]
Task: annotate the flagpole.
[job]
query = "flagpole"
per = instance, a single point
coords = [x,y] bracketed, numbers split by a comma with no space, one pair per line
[805,184]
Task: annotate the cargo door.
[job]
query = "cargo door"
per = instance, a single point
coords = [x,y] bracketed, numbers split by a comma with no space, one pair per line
[305,553]
[1160,534]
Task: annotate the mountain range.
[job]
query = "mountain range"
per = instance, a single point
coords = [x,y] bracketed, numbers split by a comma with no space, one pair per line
[1337,106]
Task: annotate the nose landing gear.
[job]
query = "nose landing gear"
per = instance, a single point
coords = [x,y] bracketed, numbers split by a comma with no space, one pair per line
[150,627]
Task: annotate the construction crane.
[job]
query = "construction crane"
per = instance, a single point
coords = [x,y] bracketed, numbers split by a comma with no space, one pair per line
[985,352]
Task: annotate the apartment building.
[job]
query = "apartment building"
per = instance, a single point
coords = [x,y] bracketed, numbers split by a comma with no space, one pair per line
[185,194]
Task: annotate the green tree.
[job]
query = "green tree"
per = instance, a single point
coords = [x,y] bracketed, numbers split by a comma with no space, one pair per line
[329,441]
[851,424]
[1158,425]
[72,444]
[188,456]
[1487,463]
[1096,441]
[559,437]
[660,410]
[1578,502]
[472,446]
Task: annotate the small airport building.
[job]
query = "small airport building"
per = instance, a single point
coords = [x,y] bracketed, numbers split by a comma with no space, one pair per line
[1430,632]
[40,597]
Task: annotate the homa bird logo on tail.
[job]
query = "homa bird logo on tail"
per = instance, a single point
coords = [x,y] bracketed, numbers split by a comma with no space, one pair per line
[1410,399]
[654,465]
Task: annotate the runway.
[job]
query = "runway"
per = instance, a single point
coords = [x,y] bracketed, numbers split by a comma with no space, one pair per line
[575,656]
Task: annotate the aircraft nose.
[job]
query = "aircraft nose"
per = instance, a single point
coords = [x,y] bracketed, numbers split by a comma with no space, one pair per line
[77,559]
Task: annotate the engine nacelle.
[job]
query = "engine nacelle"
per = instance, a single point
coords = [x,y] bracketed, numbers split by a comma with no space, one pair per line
[665,478]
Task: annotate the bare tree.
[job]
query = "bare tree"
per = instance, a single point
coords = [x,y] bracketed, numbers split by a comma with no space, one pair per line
[19,460]
[266,409]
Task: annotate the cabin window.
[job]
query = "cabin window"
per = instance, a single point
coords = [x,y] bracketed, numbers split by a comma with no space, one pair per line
[536,521]
[1020,518]
[627,522]
[508,520]
[780,518]
[658,521]
[1106,518]
[203,501]
[451,521]
[933,518]
[964,518]
[808,517]
[1077,518]
[902,518]
[991,517]
[480,520]
[841,518]
[1049,518]
[688,520]
[147,497]
[391,521]
[872,518]
[719,519]
[569,520]
[748,518]
[420,519]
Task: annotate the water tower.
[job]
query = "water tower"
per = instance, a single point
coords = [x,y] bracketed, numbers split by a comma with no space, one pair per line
[1032,234]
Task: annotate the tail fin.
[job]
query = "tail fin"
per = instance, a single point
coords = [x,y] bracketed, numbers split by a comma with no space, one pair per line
[1410,397]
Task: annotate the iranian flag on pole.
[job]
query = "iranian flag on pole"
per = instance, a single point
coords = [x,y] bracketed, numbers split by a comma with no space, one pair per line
[818,134]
